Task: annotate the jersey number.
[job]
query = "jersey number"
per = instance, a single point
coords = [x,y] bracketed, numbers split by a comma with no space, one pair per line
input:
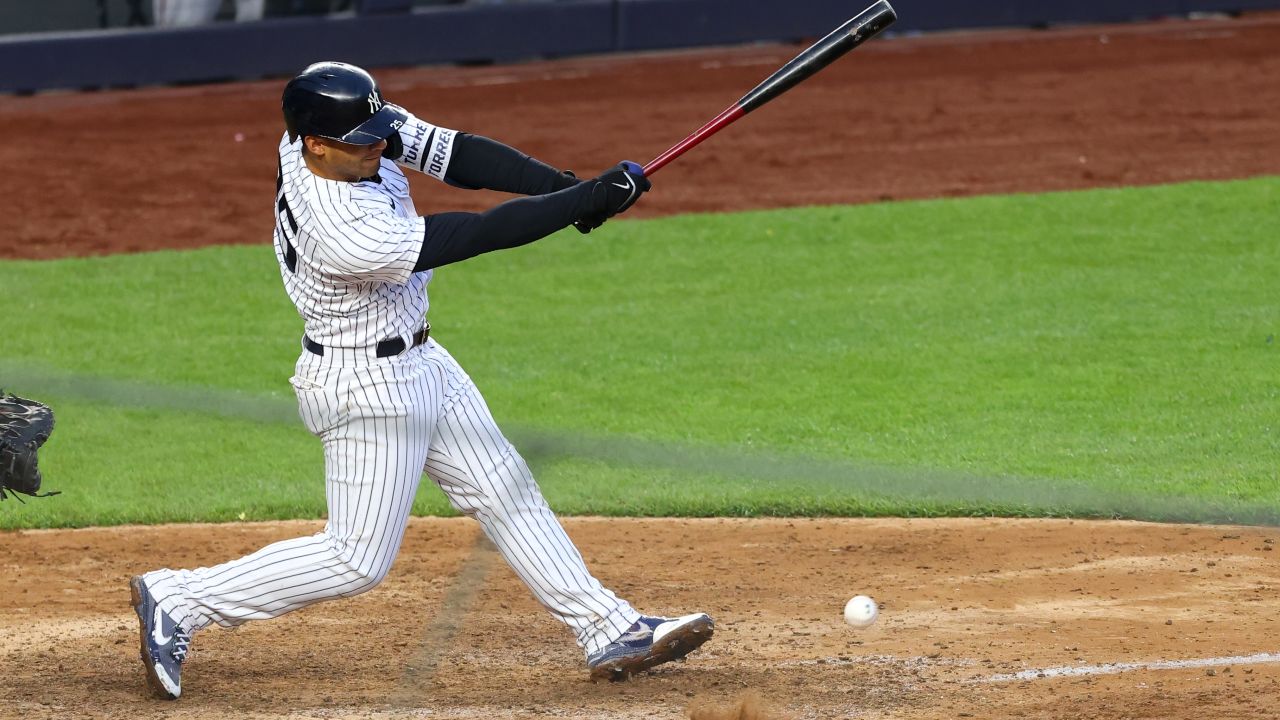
[282,206]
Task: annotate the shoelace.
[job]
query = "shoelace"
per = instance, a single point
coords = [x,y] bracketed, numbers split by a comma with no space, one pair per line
[181,641]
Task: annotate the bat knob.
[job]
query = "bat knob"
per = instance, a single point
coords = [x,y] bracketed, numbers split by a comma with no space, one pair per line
[633,168]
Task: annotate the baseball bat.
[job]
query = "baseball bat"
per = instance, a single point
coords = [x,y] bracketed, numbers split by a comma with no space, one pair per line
[848,36]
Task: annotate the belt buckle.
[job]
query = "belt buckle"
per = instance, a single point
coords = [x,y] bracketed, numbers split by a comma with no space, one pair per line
[414,339]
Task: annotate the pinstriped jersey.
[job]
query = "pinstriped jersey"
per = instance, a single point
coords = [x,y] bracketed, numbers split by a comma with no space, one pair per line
[347,249]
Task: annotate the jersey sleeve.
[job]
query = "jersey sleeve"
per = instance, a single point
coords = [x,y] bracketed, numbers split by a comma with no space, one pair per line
[427,148]
[362,241]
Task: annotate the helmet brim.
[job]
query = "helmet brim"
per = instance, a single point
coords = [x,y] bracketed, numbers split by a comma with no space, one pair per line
[389,119]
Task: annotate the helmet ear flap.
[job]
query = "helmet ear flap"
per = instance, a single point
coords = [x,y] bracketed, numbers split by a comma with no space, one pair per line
[294,103]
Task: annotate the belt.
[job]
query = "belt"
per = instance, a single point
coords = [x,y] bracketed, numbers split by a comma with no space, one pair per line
[384,349]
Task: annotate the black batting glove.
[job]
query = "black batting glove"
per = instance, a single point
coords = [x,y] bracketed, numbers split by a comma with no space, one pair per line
[615,190]
[623,184]
[589,223]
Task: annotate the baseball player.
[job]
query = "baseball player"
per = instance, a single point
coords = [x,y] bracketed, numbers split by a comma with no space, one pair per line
[385,398]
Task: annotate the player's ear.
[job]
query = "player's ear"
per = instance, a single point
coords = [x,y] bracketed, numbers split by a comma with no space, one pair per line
[313,145]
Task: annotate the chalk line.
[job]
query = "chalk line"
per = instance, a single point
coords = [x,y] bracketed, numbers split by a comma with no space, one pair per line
[1113,668]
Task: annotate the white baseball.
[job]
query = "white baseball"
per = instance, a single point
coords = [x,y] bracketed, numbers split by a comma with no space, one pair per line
[861,611]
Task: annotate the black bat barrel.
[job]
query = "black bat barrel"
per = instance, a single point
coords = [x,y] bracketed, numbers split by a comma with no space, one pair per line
[848,36]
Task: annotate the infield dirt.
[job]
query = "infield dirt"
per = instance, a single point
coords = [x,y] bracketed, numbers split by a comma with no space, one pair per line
[453,634]
[967,604]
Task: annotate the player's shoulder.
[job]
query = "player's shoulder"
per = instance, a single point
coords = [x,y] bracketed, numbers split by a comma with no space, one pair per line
[393,178]
[289,151]
[290,157]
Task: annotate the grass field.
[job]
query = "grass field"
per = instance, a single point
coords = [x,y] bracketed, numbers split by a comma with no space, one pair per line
[1105,352]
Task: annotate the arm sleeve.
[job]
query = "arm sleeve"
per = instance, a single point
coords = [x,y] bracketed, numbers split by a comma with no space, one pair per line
[481,163]
[428,148]
[450,237]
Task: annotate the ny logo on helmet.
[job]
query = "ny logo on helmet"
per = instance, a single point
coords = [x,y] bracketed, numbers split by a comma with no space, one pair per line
[375,102]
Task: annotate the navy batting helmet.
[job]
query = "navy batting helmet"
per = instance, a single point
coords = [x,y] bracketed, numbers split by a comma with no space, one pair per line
[341,102]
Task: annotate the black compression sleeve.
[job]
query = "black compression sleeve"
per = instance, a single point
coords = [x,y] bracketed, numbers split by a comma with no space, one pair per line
[481,163]
[455,236]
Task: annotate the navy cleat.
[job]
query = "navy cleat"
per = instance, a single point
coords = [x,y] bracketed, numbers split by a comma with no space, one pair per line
[164,644]
[651,641]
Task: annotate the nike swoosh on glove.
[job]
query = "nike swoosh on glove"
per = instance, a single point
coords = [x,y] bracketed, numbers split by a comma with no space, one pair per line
[616,190]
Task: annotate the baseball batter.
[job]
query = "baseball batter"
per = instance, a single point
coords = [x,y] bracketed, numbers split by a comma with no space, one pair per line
[387,400]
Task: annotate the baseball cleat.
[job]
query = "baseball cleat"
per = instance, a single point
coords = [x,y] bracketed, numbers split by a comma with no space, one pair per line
[651,641]
[164,644]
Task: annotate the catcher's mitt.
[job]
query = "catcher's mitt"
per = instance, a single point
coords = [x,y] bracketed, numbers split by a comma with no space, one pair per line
[24,426]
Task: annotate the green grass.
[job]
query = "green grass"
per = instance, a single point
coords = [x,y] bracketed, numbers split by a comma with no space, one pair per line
[1100,352]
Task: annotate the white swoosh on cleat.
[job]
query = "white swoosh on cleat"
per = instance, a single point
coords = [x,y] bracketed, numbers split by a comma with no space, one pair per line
[156,634]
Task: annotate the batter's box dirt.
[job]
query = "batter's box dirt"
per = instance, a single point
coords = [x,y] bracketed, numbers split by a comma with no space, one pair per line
[980,618]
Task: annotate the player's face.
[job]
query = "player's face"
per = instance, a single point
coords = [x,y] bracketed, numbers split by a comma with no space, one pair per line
[336,160]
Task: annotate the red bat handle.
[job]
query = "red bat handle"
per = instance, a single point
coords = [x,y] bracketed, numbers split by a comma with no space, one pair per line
[718,123]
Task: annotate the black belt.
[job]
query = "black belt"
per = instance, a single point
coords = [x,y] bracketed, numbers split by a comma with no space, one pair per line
[384,349]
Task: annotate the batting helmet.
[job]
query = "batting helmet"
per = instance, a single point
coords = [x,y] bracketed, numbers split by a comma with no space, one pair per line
[341,102]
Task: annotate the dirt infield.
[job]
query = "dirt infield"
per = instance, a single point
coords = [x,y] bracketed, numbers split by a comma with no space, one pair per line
[964,603]
[981,618]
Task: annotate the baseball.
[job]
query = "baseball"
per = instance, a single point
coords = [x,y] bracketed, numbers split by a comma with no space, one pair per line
[861,611]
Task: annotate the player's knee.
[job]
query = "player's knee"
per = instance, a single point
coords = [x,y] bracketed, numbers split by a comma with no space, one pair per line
[363,576]
[362,568]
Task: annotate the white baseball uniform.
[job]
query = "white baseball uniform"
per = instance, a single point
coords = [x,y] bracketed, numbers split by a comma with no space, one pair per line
[346,253]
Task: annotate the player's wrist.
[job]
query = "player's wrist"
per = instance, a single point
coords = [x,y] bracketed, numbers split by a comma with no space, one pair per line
[564,180]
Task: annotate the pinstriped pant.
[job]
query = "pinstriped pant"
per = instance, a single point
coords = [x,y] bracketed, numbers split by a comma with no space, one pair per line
[382,422]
